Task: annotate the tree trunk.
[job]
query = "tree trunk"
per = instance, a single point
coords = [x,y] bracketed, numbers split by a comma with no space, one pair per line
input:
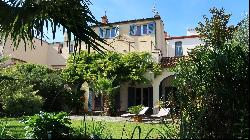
[106,104]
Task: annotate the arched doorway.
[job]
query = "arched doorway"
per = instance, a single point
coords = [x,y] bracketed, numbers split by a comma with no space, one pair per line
[167,91]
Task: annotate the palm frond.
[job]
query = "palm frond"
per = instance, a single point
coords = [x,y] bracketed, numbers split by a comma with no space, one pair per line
[26,19]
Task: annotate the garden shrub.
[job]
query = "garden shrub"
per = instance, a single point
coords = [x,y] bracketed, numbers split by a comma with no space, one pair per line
[19,99]
[41,125]
[47,82]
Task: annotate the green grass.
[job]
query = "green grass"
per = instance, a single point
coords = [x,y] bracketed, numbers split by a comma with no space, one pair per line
[115,129]
[14,126]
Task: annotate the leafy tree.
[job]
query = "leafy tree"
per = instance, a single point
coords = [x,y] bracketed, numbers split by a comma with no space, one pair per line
[27,19]
[104,73]
[213,82]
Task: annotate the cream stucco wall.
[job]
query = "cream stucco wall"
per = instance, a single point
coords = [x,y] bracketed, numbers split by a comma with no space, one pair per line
[47,53]
[141,43]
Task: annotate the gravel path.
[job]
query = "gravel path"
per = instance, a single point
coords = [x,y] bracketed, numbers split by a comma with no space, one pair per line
[99,118]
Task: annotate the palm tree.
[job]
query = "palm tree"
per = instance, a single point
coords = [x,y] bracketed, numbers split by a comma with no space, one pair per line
[26,19]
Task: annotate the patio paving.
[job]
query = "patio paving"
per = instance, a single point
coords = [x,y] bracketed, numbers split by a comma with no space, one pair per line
[113,119]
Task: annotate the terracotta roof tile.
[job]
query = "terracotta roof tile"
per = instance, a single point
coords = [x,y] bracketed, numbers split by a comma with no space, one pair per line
[167,62]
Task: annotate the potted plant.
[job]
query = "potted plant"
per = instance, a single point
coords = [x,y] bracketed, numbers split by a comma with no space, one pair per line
[136,110]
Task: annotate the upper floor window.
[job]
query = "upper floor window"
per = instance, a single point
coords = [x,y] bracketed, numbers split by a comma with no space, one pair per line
[71,48]
[178,48]
[143,29]
[109,32]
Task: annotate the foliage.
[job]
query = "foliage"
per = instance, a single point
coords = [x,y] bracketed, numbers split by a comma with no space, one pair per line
[4,133]
[48,83]
[135,109]
[3,59]
[18,98]
[104,73]
[27,19]
[122,67]
[42,124]
[136,64]
[213,82]
[93,131]
[161,103]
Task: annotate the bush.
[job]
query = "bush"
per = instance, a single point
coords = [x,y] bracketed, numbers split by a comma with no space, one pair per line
[43,124]
[47,82]
[20,99]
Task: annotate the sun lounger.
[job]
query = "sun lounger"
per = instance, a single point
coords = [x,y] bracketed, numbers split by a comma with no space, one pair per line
[142,112]
[163,112]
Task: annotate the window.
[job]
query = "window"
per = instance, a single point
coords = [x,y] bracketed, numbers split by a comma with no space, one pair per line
[101,33]
[109,32]
[178,48]
[137,96]
[107,35]
[138,30]
[71,48]
[113,32]
[144,29]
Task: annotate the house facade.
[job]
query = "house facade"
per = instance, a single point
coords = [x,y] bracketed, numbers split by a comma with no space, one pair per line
[139,35]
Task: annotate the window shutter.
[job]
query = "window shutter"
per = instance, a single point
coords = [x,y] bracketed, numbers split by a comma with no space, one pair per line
[101,33]
[132,29]
[151,28]
[117,31]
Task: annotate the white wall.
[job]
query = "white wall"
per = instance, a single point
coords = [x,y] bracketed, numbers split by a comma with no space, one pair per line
[187,43]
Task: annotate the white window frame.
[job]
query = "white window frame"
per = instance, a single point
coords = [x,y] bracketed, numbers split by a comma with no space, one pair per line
[110,31]
[142,29]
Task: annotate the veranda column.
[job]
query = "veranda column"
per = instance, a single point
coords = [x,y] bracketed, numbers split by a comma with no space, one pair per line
[155,97]
[124,97]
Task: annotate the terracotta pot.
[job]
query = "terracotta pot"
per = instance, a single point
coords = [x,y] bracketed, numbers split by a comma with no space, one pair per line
[137,118]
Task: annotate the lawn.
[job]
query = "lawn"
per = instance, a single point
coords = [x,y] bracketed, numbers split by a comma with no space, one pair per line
[117,130]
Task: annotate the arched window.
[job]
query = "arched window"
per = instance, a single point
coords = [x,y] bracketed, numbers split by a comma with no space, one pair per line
[178,48]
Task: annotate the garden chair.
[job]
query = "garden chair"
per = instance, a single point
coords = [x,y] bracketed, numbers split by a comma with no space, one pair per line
[141,113]
[162,113]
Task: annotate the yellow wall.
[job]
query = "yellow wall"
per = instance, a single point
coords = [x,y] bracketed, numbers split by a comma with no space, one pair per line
[37,55]
[47,53]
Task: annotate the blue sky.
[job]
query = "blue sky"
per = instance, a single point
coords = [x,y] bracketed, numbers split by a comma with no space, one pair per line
[177,15]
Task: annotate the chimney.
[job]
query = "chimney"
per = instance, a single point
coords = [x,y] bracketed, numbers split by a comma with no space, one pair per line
[105,19]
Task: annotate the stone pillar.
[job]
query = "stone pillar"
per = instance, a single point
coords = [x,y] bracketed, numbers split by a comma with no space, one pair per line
[124,97]
[155,96]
